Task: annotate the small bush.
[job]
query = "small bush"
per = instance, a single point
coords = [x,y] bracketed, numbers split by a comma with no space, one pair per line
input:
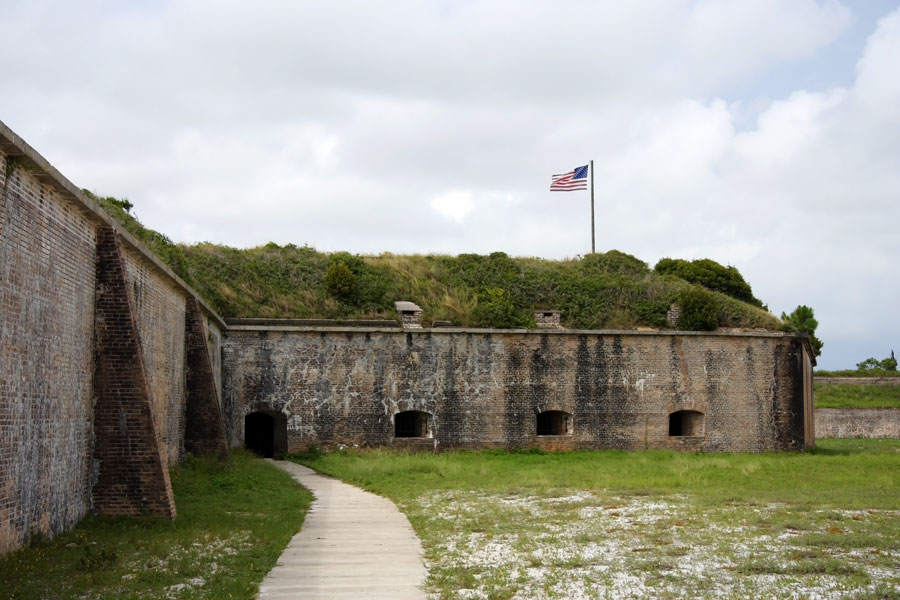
[97,558]
[164,248]
[699,310]
[495,309]
[652,312]
[615,262]
[710,275]
[340,281]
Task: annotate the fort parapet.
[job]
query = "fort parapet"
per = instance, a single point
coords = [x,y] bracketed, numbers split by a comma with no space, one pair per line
[554,389]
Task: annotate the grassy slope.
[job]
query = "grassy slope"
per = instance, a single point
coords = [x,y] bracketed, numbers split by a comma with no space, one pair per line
[857,373]
[611,290]
[857,396]
[231,527]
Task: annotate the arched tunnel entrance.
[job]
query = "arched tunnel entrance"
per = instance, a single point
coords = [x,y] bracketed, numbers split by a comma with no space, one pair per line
[265,433]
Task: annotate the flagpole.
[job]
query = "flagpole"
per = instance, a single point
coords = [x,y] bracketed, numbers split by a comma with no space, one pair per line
[593,248]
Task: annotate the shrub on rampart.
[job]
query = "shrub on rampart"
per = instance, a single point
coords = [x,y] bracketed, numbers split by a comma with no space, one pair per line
[710,275]
[699,310]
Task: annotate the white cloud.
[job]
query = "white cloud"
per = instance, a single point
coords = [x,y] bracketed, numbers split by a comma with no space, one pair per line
[453,205]
[434,127]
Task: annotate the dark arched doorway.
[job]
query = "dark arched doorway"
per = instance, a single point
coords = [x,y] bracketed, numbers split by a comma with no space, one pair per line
[413,424]
[554,422]
[265,433]
[685,423]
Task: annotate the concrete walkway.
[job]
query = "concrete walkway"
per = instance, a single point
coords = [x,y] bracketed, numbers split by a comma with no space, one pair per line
[353,545]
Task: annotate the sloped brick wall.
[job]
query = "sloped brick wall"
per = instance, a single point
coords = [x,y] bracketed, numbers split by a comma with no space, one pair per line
[133,475]
[485,388]
[205,429]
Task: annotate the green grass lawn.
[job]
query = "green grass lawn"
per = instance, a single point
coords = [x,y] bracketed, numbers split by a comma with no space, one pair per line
[232,525]
[653,524]
[857,396]
[526,525]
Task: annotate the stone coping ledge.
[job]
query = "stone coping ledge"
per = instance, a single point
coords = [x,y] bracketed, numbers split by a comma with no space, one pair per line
[234,323]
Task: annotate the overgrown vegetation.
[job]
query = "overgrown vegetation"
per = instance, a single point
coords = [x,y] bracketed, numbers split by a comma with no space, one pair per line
[647,524]
[699,310]
[612,290]
[232,525]
[710,275]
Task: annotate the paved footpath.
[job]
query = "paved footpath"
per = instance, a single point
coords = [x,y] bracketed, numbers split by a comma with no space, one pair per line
[353,544]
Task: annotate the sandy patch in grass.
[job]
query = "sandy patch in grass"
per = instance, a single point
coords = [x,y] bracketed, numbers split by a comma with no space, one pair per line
[585,546]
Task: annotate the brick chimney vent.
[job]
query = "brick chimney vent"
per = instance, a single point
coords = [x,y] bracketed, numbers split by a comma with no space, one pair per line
[547,319]
[410,314]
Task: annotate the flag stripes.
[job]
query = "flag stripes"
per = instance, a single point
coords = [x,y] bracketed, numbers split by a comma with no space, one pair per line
[576,179]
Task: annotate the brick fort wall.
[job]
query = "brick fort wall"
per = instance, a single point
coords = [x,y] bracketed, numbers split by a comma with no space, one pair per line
[93,359]
[112,368]
[485,387]
[46,365]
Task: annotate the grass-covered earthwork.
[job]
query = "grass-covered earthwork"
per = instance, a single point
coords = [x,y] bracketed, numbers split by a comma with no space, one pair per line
[233,522]
[857,396]
[820,524]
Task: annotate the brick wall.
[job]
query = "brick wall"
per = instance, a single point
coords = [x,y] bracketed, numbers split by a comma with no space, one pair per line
[132,470]
[858,422]
[46,344]
[159,310]
[485,388]
[93,358]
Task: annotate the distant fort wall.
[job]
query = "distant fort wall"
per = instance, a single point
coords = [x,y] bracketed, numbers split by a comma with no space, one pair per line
[331,386]
[858,422]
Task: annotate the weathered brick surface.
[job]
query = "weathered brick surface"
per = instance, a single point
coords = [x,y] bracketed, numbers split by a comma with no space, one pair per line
[858,422]
[485,388]
[214,347]
[159,313]
[205,429]
[132,476]
[48,393]
[46,343]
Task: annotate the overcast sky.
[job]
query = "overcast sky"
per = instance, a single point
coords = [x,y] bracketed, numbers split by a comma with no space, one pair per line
[764,134]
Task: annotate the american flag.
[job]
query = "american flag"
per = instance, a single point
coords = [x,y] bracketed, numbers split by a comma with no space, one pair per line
[576,179]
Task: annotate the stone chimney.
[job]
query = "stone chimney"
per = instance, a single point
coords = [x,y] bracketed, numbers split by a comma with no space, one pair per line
[410,314]
[547,319]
